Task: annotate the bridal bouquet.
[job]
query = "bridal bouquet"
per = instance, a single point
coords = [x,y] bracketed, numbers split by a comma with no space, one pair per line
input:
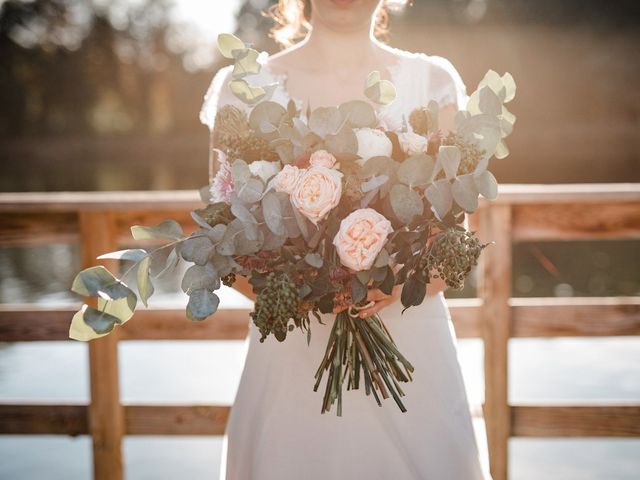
[317,209]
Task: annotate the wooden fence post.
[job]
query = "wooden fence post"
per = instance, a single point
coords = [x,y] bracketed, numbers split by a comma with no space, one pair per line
[495,291]
[106,415]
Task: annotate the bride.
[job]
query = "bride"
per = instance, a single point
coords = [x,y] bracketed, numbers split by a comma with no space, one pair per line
[275,429]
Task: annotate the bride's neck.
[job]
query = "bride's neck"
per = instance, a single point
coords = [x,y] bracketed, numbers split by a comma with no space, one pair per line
[356,47]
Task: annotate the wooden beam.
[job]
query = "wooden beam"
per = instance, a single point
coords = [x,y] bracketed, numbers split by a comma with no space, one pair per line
[176,419]
[576,420]
[33,322]
[576,221]
[106,416]
[43,419]
[575,316]
[495,291]
[33,228]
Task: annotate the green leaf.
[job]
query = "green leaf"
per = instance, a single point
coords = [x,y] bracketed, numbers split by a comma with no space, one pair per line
[100,322]
[247,93]
[79,330]
[99,282]
[405,202]
[196,249]
[246,63]
[314,259]
[202,303]
[343,142]
[170,264]
[269,113]
[251,191]
[272,211]
[135,255]
[145,287]
[382,260]
[486,184]
[440,197]
[123,308]
[358,290]
[413,291]
[417,170]
[325,121]
[379,91]
[248,220]
[449,157]
[358,113]
[166,230]
[240,172]
[200,276]
[465,192]
[227,43]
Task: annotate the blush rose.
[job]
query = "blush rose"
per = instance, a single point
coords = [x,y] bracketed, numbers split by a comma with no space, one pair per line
[317,191]
[361,237]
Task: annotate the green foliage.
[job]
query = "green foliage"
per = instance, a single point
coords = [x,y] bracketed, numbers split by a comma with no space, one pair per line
[166,230]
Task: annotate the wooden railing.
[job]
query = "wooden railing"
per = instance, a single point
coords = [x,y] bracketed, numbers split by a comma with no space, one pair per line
[99,223]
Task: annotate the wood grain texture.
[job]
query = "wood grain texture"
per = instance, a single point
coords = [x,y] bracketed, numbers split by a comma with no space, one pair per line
[495,291]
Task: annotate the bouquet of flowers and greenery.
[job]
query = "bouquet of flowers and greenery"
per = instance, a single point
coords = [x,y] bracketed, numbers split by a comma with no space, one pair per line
[316,209]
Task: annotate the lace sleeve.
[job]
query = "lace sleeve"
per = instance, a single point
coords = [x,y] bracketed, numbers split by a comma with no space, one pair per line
[217,94]
[446,84]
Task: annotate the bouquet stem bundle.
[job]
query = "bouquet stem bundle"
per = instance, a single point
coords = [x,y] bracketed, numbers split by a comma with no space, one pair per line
[364,345]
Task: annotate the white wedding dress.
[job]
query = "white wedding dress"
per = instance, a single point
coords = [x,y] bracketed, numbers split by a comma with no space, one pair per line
[275,429]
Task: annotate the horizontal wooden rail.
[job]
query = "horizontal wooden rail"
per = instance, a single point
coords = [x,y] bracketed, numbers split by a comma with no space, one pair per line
[550,420]
[532,317]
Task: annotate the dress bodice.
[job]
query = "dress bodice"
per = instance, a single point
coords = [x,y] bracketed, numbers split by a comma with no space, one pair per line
[418,78]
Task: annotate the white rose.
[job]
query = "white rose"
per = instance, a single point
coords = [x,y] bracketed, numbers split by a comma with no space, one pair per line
[264,169]
[372,143]
[412,143]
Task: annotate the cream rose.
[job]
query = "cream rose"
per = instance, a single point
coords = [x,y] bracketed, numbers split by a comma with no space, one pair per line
[287,179]
[412,143]
[372,143]
[362,235]
[318,191]
[322,158]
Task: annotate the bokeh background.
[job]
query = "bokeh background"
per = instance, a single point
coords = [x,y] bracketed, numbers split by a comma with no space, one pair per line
[104,95]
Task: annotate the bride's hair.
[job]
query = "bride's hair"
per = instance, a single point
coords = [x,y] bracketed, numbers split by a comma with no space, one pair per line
[291,18]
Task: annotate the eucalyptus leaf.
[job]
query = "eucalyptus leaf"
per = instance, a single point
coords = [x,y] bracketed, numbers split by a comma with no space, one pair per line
[217,232]
[489,102]
[122,308]
[227,43]
[465,192]
[79,330]
[405,203]
[202,303]
[325,121]
[196,249]
[98,281]
[358,114]
[145,287]
[166,230]
[510,87]
[413,291]
[134,255]
[449,158]
[382,260]
[240,172]
[248,220]
[100,322]
[266,113]
[486,184]
[416,171]
[374,183]
[246,63]
[272,211]
[200,276]
[314,259]
[440,197]
[247,93]
[251,191]
[170,264]
[200,221]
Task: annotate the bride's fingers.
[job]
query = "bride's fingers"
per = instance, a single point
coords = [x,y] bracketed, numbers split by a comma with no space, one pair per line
[379,305]
[376,294]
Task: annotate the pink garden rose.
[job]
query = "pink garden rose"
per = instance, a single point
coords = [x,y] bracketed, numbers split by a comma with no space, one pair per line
[318,191]
[362,235]
[287,179]
[322,158]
